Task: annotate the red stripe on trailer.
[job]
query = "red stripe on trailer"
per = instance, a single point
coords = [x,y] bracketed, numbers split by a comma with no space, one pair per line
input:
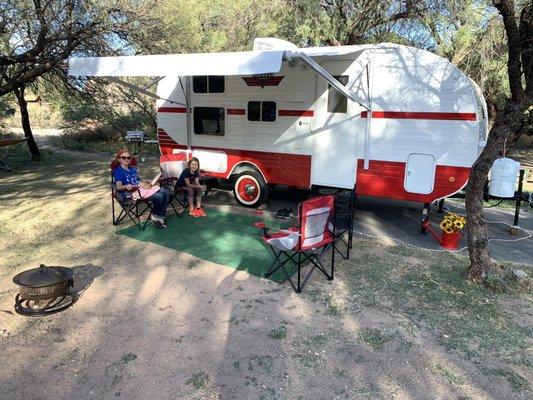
[296,113]
[236,111]
[443,116]
[280,168]
[386,179]
[179,110]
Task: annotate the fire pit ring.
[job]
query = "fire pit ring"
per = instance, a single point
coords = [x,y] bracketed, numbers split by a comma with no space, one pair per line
[43,290]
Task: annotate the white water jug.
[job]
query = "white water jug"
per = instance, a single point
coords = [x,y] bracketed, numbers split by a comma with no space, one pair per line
[503,177]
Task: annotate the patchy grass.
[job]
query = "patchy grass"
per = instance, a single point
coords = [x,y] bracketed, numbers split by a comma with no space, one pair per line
[516,381]
[449,375]
[128,358]
[278,333]
[466,319]
[199,380]
[374,338]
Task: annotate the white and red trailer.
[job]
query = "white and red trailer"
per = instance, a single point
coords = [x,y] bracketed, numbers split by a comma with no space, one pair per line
[386,120]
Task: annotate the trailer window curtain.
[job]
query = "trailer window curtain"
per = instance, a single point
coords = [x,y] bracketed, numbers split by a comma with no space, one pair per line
[209,121]
[208,84]
[262,111]
[337,103]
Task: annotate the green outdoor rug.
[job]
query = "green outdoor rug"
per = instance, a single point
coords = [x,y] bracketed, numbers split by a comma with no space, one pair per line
[223,237]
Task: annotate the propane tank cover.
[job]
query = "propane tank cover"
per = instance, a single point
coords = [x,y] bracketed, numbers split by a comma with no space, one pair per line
[503,177]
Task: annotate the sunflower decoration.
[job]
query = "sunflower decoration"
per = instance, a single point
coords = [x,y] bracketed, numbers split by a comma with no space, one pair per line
[452,223]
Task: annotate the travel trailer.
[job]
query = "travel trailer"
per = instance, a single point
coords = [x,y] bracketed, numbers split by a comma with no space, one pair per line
[385,120]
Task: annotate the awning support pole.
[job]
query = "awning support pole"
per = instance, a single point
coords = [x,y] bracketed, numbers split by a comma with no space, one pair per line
[141,90]
[326,76]
[366,162]
[188,88]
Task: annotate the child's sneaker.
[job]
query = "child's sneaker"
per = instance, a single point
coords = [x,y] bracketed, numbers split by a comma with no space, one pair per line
[201,212]
[194,213]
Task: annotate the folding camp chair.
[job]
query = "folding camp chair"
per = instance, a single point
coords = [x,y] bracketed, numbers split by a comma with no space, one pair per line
[343,221]
[134,209]
[308,241]
[172,165]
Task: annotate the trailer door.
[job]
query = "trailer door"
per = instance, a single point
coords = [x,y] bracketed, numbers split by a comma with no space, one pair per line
[333,162]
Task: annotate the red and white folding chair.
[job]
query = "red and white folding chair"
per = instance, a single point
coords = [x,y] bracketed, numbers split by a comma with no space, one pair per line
[308,241]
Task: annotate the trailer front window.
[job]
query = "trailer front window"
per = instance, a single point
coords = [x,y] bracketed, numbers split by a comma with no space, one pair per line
[209,121]
[208,84]
[262,111]
[336,101]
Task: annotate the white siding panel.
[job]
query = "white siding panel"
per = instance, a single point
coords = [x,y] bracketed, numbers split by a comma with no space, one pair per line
[450,142]
[424,100]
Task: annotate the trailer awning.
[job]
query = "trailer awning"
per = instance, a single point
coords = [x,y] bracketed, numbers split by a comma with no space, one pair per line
[236,63]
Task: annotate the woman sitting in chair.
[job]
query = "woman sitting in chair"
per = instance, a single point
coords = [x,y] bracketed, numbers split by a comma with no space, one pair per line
[189,181]
[127,182]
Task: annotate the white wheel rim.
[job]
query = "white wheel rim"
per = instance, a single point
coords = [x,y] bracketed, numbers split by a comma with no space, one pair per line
[237,192]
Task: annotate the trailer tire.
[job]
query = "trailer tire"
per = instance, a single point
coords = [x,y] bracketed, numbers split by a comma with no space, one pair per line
[250,189]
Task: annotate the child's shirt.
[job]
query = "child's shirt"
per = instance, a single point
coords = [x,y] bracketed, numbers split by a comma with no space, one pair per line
[187,174]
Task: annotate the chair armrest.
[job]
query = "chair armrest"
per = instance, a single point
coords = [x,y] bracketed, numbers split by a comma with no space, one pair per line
[261,225]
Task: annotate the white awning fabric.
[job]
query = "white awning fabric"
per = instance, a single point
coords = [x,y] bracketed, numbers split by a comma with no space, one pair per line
[236,63]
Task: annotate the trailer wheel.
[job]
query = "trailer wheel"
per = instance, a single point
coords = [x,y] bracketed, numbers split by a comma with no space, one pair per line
[250,189]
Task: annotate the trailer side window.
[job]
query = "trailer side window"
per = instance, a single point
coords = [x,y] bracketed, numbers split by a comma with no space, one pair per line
[337,102]
[208,84]
[262,111]
[209,121]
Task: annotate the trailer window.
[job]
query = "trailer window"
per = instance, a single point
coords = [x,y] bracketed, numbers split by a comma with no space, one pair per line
[209,121]
[208,84]
[337,103]
[262,111]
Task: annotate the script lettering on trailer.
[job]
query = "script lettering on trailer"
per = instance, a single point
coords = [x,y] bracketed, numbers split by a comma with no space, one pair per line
[263,80]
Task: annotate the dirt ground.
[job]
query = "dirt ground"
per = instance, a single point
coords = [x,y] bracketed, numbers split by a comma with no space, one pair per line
[396,323]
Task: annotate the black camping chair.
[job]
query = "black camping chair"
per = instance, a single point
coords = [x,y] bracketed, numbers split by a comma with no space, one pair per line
[308,241]
[134,209]
[172,165]
[343,222]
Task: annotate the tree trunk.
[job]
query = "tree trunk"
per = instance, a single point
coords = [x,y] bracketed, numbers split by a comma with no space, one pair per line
[512,122]
[506,126]
[25,119]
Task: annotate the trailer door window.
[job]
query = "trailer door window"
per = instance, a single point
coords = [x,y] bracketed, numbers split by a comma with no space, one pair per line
[337,103]
[208,84]
[209,121]
[262,111]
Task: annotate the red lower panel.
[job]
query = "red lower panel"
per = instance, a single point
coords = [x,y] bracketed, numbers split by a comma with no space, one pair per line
[382,179]
[386,179]
[278,168]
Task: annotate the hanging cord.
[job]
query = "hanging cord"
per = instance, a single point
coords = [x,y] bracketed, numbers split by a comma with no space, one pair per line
[504,147]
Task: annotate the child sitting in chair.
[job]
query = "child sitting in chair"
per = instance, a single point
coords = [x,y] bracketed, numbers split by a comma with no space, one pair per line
[127,181]
[189,182]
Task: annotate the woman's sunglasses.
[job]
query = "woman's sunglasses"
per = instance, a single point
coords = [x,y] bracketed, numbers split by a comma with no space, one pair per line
[125,158]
